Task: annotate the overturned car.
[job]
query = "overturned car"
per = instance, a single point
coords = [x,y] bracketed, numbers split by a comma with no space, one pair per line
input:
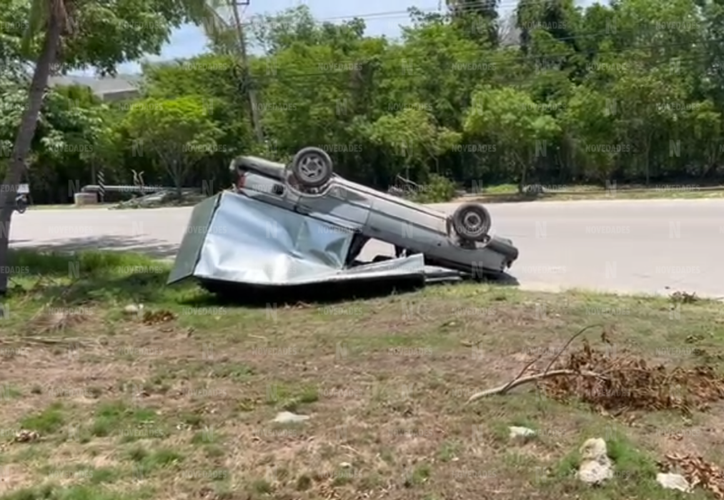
[302,224]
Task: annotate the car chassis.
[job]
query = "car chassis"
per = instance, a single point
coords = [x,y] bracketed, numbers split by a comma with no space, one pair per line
[309,186]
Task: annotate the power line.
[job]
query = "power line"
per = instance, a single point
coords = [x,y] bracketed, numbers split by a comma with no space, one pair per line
[402,14]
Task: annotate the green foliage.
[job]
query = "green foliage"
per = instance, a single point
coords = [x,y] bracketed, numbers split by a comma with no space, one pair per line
[178,132]
[438,189]
[628,93]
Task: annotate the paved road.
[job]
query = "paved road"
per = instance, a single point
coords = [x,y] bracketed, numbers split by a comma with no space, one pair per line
[621,246]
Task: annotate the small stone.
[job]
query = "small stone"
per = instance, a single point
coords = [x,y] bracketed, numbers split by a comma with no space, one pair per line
[26,436]
[595,467]
[345,465]
[521,432]
[286,417]
[133,308]
[673,482]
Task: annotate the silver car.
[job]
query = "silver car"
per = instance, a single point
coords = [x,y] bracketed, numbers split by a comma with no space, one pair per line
[309,186]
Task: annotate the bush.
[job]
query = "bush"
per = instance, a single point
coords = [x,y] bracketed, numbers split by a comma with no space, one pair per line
[438,189]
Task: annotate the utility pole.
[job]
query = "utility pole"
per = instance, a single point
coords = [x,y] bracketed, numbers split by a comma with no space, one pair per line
[250,90]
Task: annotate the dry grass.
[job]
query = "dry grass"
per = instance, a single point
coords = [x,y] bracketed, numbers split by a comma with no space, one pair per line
[176,402]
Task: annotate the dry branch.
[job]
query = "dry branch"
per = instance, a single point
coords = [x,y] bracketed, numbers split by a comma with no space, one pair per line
[539,376]
[532,378]
[44,341]
[621,383]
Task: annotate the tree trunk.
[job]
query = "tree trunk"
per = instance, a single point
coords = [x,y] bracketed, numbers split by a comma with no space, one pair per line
[23,141]
[178,178]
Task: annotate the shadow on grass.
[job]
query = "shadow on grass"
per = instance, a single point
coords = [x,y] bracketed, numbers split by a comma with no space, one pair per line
[153,248]
[327,293]
[324,293]
[87,276]
[112,277]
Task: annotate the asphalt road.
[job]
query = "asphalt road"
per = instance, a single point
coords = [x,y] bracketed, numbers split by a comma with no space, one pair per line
[647,246]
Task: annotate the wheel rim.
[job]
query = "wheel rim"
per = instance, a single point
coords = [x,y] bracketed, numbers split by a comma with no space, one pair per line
[312,167]
[472,222]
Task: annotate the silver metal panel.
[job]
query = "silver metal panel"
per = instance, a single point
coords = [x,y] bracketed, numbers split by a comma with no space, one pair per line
[338,206]
[193,240]
[256,243]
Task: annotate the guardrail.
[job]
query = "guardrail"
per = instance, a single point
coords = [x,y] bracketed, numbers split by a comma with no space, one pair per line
[94,188]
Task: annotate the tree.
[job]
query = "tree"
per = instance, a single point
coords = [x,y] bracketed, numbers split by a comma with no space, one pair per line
[179,131]
[70,124]
[412,136]
[71,34]
[595,134]
[516,121]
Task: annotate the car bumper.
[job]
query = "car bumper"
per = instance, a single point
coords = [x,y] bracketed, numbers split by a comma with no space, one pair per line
[505,247]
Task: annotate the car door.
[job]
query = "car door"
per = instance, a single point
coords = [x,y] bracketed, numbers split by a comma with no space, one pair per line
[406,225]
[337,205]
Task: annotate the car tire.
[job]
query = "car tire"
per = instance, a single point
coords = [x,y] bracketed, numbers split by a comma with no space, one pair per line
[472,222]
[503,248]
[312,167]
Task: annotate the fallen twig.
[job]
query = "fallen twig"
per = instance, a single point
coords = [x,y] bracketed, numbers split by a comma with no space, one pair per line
[532,378]
[468,343]
[44,341]
[515,382]
[558,355]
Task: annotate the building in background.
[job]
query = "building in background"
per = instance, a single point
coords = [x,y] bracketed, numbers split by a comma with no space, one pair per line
[109,89]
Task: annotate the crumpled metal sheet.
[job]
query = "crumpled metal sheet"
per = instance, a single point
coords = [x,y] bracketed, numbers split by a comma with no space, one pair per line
[232,237]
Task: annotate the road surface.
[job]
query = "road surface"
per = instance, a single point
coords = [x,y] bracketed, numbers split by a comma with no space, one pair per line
[635,246]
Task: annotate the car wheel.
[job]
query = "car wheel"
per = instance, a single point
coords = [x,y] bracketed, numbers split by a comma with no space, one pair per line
[312,167]
[472,221]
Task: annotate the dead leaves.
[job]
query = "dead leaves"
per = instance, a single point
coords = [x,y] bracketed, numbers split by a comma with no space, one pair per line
[698,472]
[26,436]
[683,298]
[152,318]
[630,383]
[616,382]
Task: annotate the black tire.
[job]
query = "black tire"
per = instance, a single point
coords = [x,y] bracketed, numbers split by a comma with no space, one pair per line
[504,248]
[312,167]
[472,222]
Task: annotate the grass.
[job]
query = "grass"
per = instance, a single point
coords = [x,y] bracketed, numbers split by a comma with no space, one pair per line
[180,407]
[505,193]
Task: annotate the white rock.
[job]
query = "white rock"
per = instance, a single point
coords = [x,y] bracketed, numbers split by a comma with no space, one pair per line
[521,432]
[673,481]
[133,308]
[595,467]
[286,417]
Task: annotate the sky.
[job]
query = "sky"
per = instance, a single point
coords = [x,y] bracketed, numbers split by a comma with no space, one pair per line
[383,17]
